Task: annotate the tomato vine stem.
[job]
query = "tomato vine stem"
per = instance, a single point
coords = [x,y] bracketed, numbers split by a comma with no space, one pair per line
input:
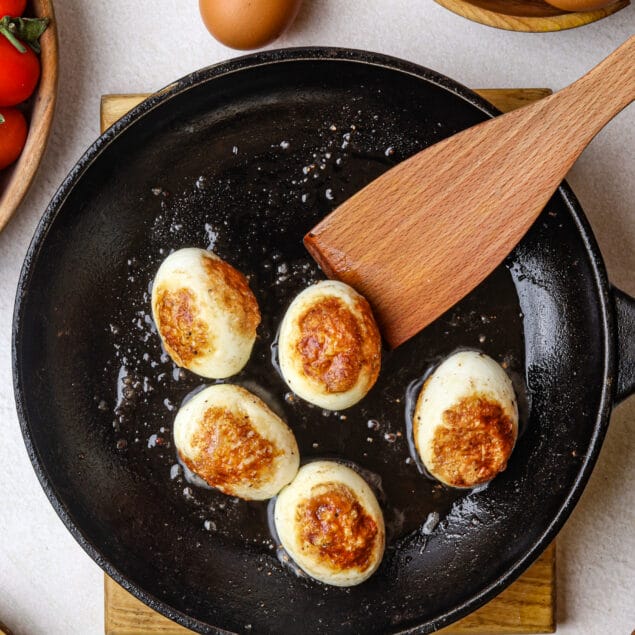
[18,30]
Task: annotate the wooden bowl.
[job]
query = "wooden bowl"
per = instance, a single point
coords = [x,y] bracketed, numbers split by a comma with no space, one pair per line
[15,180]
[527,15]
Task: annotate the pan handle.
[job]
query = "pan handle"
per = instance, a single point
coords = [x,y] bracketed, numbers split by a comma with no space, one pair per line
[625,321]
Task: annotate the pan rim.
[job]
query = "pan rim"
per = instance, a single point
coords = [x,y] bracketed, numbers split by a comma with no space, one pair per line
[272,58]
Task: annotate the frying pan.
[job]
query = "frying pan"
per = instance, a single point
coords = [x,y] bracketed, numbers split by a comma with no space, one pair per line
[244,158]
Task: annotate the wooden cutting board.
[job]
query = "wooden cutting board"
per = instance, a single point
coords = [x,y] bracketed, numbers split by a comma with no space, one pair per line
[526,606]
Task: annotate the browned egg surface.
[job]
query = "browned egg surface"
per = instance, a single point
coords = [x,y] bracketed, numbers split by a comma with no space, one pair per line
[184,332]
[474,444]
[333,525]
[229,450]
[232,290]
[332,346]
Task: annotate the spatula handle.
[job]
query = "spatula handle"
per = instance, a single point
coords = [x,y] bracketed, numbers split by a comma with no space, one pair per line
[578,112]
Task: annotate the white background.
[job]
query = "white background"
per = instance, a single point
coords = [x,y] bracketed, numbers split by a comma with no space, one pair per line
[48,585]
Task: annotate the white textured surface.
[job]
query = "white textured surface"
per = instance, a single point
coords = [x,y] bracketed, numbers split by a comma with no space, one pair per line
[48,585]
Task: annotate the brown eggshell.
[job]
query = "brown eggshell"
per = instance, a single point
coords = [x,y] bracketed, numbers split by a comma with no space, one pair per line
[248,24]
[579,5]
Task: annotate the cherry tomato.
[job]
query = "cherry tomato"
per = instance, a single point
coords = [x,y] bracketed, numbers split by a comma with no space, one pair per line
[19,73]
[12,135]
[14,8]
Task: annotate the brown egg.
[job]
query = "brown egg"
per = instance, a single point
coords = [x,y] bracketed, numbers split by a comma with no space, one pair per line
[579,5]
[247,24]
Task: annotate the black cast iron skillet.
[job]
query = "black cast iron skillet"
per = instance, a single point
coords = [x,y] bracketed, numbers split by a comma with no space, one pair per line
[246,156]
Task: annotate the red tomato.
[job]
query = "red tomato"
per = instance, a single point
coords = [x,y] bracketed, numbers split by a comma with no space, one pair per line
[14,8]
[12,135]
[19,73]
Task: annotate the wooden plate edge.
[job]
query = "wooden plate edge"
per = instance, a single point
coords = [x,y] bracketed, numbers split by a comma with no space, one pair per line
[530,24]
[24,170]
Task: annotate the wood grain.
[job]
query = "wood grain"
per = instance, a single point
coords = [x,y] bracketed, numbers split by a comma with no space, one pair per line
[420,237]
[527,15]
[16,180]
[125,615]
[115,106]
[526,606]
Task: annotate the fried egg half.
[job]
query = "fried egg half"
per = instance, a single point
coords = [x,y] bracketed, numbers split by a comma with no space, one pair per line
[235,443]
[465,422]
[329,346]
[329,521]
[205,313]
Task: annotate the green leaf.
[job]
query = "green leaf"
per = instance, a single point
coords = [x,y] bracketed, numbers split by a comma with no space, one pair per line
[1,119]
[27,30]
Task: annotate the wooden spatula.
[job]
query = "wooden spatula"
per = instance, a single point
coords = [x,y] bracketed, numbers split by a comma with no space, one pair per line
[424,234]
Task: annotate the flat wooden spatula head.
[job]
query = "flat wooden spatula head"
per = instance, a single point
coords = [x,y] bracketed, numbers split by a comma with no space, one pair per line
[424,234]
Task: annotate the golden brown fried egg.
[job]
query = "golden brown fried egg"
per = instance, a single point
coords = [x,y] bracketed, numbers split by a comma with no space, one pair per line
[466,420]
[330,523]
[205,313]
[330,346]
[228,437]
